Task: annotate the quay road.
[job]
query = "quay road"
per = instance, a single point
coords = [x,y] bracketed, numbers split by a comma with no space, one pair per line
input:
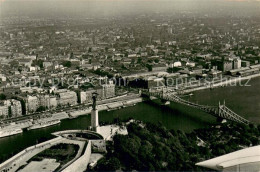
[38,115]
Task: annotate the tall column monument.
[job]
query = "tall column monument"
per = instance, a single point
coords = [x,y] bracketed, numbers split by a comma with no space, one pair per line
[94,114]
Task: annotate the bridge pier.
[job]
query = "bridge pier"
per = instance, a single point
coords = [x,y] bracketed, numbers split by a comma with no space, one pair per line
[165,102]
[152,98]
[220,120]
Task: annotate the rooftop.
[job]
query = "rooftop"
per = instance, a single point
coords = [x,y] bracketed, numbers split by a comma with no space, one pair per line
[245,156]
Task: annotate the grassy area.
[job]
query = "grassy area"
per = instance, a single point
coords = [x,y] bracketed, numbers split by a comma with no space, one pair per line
[63,153]
[88,136]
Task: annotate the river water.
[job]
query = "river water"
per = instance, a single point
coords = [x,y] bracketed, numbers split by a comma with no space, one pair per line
[244,100]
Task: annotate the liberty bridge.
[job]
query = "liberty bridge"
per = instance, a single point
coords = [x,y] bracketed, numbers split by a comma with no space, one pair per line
[220,111]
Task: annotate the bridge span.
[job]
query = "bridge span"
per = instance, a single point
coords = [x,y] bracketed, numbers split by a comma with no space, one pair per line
[221,111]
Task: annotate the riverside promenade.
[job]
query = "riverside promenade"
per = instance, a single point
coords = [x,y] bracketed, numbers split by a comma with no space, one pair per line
[230,82]
[74,112]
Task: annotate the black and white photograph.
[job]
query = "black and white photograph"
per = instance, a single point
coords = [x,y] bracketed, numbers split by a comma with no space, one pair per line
[130,85]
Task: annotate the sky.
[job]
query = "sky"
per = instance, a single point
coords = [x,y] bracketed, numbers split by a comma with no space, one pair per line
[118,7]
[136,0]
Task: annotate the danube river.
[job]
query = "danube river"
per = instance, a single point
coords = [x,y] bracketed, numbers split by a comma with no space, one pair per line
[244,100]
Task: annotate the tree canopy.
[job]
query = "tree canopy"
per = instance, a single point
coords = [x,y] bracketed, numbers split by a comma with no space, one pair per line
[152,147]
[2,97]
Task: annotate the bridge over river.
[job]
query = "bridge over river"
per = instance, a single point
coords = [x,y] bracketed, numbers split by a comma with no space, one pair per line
[221,111]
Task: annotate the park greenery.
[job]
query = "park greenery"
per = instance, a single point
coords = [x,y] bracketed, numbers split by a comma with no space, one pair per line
[41,109]
[66,64]
[152,147]
[38,63]
[173,69]
[102,73]
[149,67]
[2,96]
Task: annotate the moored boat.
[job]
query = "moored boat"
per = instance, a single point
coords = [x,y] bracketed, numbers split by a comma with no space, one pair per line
[43,124]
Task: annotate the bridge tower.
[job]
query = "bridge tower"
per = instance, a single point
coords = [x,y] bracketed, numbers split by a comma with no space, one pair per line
[219,109]
[163,101]
[94,114]
[221,114]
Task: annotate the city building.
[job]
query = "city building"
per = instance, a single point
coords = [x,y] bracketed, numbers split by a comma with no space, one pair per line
[86,96]
[215,73]
[26,62]
[237,64]
[44,100]
[223,65]
[3,111]
[15,106]
[105,91]
[109,89]
[67,98]
[53,102]
[245,63]
[176,64]
[159,67]
[100,92]
[47,64]
[227,66]
[32,104]
[155,82]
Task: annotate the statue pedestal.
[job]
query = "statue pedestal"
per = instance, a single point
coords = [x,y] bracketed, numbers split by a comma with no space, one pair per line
[94,120]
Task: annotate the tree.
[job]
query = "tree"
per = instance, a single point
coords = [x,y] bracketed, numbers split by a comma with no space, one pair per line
[152,147]
[173,69]
[123,67]
[138,83]
[2,97]
[9,112]
[78,96]
[40,109]
[71,55]
[149,67]
[23,106]
[139,60]
[66,64]
[113,164]
[38,63]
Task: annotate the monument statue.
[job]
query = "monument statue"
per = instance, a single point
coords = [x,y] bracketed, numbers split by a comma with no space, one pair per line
[94,98]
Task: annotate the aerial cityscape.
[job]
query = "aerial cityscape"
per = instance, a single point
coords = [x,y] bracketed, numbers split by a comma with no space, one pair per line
[129,85]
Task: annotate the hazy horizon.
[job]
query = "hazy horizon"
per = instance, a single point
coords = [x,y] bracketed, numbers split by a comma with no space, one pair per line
[99,8]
